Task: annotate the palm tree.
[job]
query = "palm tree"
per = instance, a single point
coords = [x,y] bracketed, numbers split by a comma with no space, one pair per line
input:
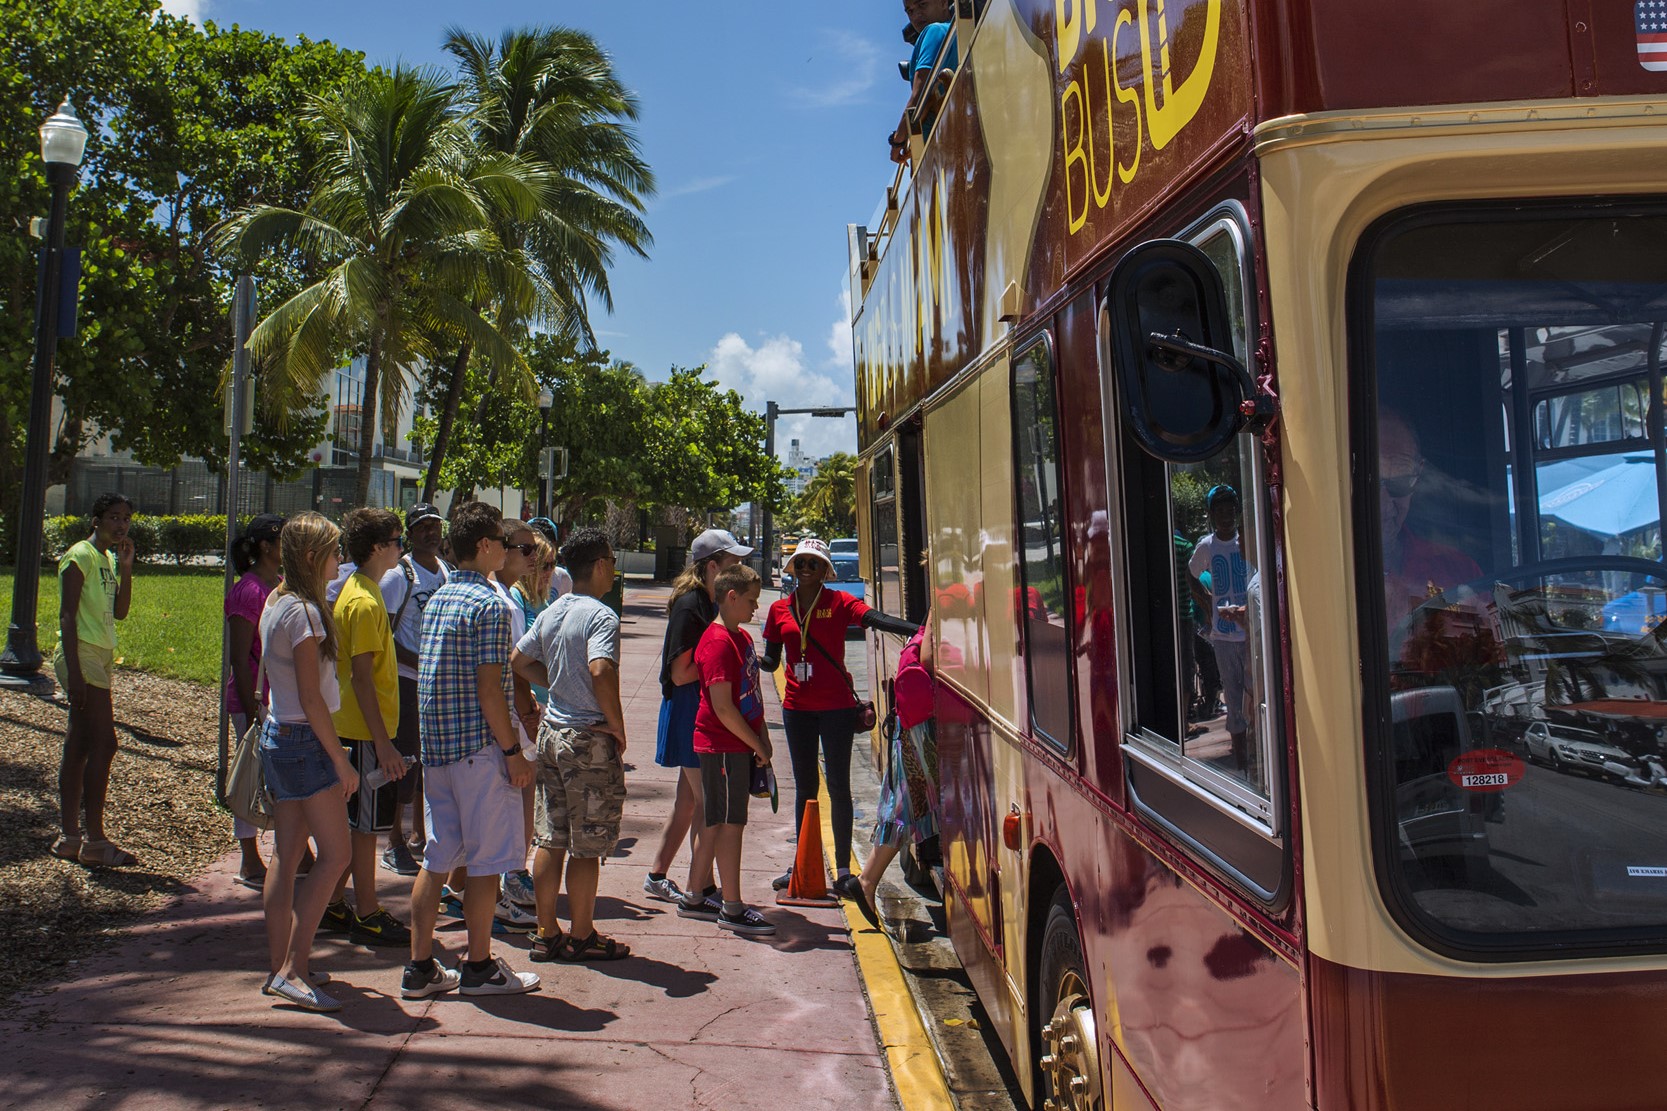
[548,97]
[400,223]
[829,501]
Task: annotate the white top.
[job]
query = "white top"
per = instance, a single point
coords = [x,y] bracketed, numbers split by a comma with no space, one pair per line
[517,629]
[344,571]
[1229,581]
[560,583]
[285,623]
[409,633]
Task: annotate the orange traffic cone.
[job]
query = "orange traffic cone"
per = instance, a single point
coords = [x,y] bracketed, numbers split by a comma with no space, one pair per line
[809,886]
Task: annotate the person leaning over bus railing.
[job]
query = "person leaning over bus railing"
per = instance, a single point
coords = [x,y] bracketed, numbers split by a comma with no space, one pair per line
[1414,568]
[819,706]
[930,19]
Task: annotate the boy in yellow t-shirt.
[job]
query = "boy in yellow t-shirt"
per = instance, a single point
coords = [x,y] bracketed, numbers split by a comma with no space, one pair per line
[367,722]
[95,587]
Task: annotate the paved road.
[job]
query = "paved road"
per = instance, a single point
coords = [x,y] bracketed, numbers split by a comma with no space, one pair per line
[171,1017]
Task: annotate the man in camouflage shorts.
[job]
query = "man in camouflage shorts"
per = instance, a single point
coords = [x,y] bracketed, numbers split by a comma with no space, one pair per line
[573,649]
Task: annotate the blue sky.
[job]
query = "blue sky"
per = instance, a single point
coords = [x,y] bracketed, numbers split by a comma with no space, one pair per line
[765,125]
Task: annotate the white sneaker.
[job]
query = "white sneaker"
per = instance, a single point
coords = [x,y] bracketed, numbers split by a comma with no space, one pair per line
[513,918]
[500,979]
[518,888]
[301,995]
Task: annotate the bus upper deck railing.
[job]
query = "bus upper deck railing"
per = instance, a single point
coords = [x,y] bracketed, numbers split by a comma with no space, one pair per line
[868,245]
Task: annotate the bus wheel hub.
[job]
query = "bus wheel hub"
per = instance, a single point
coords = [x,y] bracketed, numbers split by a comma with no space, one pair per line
[1071,1064]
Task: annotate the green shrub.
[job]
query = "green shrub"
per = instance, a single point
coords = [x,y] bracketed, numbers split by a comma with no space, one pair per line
[175,540]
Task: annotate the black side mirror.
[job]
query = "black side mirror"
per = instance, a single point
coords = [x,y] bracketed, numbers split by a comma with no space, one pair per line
[1184,396]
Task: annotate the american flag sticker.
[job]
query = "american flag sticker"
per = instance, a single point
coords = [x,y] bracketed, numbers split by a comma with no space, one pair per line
[1651,19]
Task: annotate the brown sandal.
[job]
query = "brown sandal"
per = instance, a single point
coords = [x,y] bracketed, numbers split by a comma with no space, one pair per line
[104,854]
[593,948]
[67,847]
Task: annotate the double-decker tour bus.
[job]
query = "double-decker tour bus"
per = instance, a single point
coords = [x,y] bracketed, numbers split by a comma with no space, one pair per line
[1265,399]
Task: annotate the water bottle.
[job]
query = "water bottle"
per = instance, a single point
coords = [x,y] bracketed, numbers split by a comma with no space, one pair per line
[377,778]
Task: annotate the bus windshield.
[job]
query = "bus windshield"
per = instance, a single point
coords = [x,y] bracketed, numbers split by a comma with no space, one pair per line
[1517,652]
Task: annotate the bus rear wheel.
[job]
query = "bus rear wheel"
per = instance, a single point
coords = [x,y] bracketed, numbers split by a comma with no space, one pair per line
[1070,1062]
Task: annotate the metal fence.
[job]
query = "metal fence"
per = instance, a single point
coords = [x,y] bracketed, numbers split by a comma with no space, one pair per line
[192,488]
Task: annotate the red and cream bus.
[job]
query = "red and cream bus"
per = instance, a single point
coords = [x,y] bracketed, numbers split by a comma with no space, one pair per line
[1265,398]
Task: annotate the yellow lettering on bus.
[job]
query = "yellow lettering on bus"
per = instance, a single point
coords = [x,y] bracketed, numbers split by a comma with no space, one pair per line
[1165,121]
[1074,155]
[1106,67]
[1072,27]
[1130,96]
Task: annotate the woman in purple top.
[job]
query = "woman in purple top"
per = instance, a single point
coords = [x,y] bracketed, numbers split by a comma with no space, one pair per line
[256,560]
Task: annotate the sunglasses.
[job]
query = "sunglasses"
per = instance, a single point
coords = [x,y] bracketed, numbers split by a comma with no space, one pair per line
[806,564]
[524,548]
[396,541]
[500,537]
[1401,486]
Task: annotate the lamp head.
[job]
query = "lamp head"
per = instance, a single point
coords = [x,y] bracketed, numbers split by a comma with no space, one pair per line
[63,138]
[546,399]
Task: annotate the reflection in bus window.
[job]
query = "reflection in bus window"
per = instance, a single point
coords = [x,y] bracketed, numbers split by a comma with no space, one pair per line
[1040,604]
[883,502]
[1518,362]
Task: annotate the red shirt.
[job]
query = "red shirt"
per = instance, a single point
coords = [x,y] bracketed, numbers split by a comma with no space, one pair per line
[726,657]
[829,686]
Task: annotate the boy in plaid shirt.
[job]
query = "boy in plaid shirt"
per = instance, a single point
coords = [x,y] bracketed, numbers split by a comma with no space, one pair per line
[473,767]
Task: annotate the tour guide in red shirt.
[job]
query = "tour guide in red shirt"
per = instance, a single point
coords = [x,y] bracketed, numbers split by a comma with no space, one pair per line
[821,703]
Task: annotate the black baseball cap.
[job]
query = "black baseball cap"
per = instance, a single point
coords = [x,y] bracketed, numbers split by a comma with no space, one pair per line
[266,526]
[422,511]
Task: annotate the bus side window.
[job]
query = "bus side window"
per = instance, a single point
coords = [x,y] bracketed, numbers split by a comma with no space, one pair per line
[1197,671]
[882,478]
[911,502]
[1043,596]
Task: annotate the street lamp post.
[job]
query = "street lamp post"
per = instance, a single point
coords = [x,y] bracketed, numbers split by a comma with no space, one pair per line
[772,411]
[63,141]
[546,400]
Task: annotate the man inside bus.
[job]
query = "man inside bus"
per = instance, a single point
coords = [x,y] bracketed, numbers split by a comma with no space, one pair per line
[1414,569]
[1219,574]
[930,19]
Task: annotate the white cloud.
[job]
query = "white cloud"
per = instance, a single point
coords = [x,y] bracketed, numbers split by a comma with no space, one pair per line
[843,67]
[841,352]
[188,9]
[698,185]
[775,370]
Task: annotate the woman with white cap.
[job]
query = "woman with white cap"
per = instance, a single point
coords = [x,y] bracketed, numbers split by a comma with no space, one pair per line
[691,609]
[820,708]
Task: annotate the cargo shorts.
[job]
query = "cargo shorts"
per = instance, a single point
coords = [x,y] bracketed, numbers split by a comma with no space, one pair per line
[581,792]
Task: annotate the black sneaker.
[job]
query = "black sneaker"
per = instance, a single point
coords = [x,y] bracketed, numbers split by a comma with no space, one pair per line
[497,978]
[707,909]
[379,928]
[397,858]
[338,919]
[426,979]
[749,921]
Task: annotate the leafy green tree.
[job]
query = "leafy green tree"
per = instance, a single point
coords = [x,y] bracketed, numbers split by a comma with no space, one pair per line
[548,96]
[400,222]
[186,125]
[828,506]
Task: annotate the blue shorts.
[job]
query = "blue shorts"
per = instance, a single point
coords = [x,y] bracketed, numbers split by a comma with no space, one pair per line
[293,759]
[675,747]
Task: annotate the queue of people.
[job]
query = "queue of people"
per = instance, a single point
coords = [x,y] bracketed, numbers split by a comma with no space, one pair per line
[475,676]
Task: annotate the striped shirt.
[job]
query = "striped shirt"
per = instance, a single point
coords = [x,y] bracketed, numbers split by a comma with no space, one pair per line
[465,627]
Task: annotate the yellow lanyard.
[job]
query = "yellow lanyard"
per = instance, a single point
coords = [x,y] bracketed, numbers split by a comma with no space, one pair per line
[804,622]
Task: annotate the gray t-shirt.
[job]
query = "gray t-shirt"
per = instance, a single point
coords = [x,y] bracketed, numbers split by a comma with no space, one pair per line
[408,634]
[571,632]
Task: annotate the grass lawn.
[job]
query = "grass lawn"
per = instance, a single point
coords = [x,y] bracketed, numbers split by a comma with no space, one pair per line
[173,627]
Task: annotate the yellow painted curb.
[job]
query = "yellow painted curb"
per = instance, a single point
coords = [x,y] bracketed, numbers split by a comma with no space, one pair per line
[915,1071]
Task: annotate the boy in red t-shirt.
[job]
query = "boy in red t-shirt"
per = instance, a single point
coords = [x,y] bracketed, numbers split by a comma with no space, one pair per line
[730,737]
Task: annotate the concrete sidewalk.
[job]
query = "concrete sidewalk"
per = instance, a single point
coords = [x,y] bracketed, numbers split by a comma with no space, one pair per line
[696,1017]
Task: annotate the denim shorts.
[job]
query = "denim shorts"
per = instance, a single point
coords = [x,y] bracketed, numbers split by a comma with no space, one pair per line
[293,759]
[675,742]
